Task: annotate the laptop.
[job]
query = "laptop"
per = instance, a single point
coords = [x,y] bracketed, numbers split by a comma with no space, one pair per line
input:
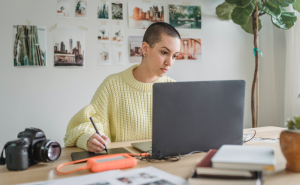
[195,116]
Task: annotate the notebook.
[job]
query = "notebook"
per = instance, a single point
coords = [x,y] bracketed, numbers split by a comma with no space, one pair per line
[196,180]
[205,169]
[255,158]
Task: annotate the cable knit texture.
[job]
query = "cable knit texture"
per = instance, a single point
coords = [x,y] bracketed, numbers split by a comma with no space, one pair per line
[121,109]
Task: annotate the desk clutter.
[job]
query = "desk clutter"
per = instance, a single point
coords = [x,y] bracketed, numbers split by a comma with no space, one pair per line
[233,164]
[139,176]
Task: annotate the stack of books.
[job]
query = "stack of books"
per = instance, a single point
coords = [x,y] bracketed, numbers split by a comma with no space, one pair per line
[233,164]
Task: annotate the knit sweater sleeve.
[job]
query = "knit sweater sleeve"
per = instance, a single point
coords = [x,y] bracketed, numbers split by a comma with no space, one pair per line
[80,129]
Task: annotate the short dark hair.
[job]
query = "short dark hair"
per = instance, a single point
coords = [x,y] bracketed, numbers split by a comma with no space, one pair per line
[156,30]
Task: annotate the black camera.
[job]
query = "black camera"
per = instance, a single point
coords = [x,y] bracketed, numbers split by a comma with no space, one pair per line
[31,148]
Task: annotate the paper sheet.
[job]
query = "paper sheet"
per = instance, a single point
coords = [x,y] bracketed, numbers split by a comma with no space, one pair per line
[146,176]
[261,139]
[95,178]
[139,176]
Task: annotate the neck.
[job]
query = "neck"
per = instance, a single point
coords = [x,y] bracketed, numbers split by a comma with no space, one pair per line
[142,74]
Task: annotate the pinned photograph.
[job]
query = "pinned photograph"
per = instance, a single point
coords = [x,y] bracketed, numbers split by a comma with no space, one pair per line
[69,46]
[103,55]
[102,11]
[63,8]
[103,33]
[135,47]
[117,11]
[118,54]
[186,17]
[117,33]
[81,9]
[142,14]
[190,49]
[29,45]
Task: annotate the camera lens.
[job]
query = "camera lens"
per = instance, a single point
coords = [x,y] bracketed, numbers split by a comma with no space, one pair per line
[46,151]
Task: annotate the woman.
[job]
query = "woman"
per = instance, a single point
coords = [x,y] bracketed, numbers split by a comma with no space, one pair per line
[122,105]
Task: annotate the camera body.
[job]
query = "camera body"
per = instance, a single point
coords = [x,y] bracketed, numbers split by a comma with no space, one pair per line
[31,148]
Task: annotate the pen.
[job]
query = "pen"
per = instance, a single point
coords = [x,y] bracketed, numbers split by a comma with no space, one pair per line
[97,132]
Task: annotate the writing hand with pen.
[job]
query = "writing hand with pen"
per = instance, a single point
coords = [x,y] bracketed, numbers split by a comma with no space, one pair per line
[97,143]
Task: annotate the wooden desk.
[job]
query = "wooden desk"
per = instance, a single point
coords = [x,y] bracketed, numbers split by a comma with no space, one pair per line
[182,168]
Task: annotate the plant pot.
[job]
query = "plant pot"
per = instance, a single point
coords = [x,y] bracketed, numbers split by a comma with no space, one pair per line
[290,147]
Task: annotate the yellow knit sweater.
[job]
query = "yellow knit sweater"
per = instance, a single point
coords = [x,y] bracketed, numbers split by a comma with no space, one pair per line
[121,109]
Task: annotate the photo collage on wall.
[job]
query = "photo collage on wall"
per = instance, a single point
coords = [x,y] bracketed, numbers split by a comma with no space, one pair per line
[69,43]
[110,33]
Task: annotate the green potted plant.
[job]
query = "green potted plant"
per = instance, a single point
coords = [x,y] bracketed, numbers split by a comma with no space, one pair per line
[246,14]
[290,144]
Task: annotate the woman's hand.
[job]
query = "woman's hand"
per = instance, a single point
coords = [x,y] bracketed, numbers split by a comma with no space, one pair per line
[96,143]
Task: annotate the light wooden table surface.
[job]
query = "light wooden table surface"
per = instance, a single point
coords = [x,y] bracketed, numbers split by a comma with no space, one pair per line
[182,168]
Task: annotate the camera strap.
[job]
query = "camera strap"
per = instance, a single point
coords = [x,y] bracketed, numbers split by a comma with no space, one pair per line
[2,159]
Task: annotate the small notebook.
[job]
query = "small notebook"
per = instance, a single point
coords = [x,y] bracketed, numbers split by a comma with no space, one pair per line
[255,158]
[198,180]
[205,169]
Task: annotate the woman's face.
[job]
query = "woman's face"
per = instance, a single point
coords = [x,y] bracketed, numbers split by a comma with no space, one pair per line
[161,57]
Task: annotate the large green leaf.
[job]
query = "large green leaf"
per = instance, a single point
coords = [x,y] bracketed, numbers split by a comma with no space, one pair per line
[285,3]
[296,5]
[270,8]
[240,15]
[224,11]
[248,27]
[286,20]
[239,3]
[275,2]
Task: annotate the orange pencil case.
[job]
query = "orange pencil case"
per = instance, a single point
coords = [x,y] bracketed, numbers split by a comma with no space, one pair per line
[104,163]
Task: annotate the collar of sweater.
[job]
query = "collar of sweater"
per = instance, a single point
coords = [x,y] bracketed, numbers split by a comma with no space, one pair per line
[134,83]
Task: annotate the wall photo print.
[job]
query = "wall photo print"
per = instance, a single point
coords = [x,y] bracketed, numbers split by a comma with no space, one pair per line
[103,33]
[81,9]
[186,17]
[117,33]
[118,54]
[117,11]
[142,14]
[102,11]
[135,47]
[69,46]
[103,55]
[63,8]
[190,49]
[29,45]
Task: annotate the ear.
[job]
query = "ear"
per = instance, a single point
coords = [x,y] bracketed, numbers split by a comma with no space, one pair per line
[145,48]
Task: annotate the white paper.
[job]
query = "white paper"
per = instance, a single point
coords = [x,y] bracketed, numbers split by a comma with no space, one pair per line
[100,178]
[260,139]
[146,176]
[139,176]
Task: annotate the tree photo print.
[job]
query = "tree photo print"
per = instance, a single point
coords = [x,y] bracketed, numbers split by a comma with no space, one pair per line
[186,17]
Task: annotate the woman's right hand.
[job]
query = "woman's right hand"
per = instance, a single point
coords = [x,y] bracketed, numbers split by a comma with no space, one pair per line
[96,143]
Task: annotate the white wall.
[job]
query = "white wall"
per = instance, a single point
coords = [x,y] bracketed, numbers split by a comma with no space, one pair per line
[47,97]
